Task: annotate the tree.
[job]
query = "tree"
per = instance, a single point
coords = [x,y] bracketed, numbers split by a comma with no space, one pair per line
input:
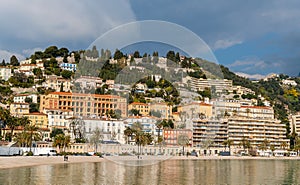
[77,127]
[14,61]
[61,141]
[3,63]
[183,140]
[66,74]
[33,135]
[118,54]
[136,54]
[264,145]
[96,138]
[55,132]
[134,112]
[228,143]
[128,132]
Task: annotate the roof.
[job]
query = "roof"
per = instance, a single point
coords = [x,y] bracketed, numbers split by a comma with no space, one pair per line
[37,113]
[138,103]
[256,107]
[80,94]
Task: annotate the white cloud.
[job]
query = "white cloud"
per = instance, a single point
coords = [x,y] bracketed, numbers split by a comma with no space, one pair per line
[33,23]
[28,52]
[7,54]
[226,43]
[250,76]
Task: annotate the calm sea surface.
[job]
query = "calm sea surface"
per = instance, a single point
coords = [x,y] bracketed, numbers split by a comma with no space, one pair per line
[167,172]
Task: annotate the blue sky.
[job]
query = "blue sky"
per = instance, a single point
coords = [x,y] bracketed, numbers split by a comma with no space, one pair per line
[255,37]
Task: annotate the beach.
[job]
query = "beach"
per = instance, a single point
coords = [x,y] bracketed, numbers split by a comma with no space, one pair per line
[23,161]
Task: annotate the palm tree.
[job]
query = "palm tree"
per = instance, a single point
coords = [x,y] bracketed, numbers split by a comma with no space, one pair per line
[264,145]
[12,123]
[33,134]
[4,115]
[283,145]
[61,141]
[228,143]
[128,133]
[159,125]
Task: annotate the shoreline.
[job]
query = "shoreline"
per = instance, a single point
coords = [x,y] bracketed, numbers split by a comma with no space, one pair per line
[27,161]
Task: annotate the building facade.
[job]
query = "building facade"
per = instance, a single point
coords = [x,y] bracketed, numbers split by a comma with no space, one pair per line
[143,108]
[88,105]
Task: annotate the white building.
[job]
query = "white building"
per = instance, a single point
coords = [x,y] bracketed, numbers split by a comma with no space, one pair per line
[58,118]
[148,123]
[20,98]
[68,66]
[5,73]
[112,130]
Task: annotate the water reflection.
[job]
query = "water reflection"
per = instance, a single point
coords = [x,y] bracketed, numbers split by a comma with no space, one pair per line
[166,172]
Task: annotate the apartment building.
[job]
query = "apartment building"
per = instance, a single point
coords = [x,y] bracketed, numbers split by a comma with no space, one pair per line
[195,110]
[58,118]
[58,84]
[110,129]
[209,133]
[143,108]
[90,105]
[148,124]
[295,123]
[172,136]
[88,82]
[164,109]
[38,119]
[220,85]
[19,109]
[256,130]
[68,66]
[5,73]
[20,98]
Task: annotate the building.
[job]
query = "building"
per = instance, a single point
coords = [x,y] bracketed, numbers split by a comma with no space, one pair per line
[38,119]
[89,105]
[195,110]
[111,130]
[209,133]
[163,109]
[20,98]
[58,118]
[259,112]
[5,73]
[219,85]
[172,136]
[289,82]
[68,67]
[242,90]
[19,109]
[295,123]
[58,84]
[148,124]
[143,108]
[88,82]
[256,130]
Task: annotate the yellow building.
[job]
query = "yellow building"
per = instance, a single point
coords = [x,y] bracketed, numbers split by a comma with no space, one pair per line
[195,110]
[38,119]
[164,109]
[143,108]
[84,104]
[18,109]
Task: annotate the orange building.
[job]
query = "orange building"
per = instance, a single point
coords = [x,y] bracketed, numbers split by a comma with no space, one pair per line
[143,108]
[171,136]
[84,104]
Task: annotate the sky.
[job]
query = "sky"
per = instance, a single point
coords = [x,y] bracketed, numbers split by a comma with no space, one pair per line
[255,37]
